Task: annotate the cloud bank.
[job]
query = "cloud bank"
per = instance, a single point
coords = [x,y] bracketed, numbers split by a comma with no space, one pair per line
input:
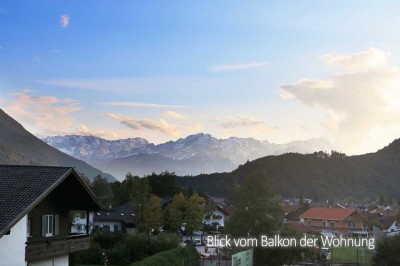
[363,98]
[140,124]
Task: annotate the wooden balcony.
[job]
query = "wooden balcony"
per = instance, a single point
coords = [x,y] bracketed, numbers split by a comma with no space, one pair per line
[55,246]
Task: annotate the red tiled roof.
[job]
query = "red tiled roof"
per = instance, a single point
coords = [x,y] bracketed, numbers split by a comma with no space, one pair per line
[321,213]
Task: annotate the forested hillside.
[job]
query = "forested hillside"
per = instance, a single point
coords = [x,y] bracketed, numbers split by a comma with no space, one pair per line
[318,175]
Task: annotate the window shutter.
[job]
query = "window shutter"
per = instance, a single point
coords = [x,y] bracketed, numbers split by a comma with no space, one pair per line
[44,225]
[56,224]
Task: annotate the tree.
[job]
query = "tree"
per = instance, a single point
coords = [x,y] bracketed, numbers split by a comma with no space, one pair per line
[194,213]
[103,191]
[164,184]
[140,196]
[174,213]
[256,208]
[152,214]
[382,200]
[123,190]
[386,252]
[256,212]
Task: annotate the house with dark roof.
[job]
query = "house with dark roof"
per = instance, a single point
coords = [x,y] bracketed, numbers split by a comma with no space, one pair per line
[340,221]
[300,228]
[35,207]
[390,225]
[115,219]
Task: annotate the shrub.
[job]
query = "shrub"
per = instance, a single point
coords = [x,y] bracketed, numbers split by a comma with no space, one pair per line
[122,249]
[176,257]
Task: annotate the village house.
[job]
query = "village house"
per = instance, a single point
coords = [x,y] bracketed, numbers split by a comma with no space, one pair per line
[336,220]
[119,219]
[216,212]
[390,225]
[35,207]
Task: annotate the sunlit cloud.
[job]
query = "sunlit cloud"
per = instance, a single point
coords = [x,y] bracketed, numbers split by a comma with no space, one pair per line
[360,61]
[356,102]
[174,115]
[45,115]
[86,131]
[147,124]
[64,20]
[242,121]
[138,104]
[240,66]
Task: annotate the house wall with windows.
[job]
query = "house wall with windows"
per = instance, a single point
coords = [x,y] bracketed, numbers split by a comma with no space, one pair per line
[111,226]
[12,246]
[49,218]
[215,216]
[337,220]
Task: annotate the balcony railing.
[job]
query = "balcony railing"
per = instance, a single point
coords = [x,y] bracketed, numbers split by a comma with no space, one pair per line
[55,246]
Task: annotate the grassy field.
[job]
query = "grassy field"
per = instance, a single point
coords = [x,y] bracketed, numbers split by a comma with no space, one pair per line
[350,255]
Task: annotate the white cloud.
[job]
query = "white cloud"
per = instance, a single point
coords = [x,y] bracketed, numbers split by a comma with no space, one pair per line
[244,121]
[64,20]
[46,115]
[138,104]
[356,102]
[141,124]
[84,130]
[360,61]
[233,67]
[174,115]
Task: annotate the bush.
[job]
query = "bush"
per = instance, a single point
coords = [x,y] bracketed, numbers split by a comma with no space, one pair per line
[92,255]
[176,257]
[386,253]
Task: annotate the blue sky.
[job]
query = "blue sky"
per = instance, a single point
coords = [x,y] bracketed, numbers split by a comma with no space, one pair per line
[271,70]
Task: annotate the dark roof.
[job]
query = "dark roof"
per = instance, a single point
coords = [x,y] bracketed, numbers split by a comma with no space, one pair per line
[123,213]
[23,187]
[300,227]
[388,221]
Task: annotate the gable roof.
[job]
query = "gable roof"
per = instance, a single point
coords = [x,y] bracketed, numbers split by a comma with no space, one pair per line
[321,213]
[300,227]
[23,187]
[388,221]
[123,213]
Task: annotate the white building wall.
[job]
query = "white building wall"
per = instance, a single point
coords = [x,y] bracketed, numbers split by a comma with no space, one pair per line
[12,246]
[221,221]
[56,261]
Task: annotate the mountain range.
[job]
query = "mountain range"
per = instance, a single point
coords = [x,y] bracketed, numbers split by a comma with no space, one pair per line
[19,147]
[193,155]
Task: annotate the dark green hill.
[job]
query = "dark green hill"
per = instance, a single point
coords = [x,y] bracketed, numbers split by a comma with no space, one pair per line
[317,175]
[19,147]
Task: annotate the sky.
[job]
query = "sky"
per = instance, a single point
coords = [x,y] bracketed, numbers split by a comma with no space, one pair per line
[161,70]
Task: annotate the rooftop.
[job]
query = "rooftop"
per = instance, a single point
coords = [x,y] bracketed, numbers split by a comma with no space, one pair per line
[322,213]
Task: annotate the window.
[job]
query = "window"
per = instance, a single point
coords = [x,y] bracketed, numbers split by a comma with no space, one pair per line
[29,227]
[309,222]
[324,223]
[332,224]
[116,228]
[50,225]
